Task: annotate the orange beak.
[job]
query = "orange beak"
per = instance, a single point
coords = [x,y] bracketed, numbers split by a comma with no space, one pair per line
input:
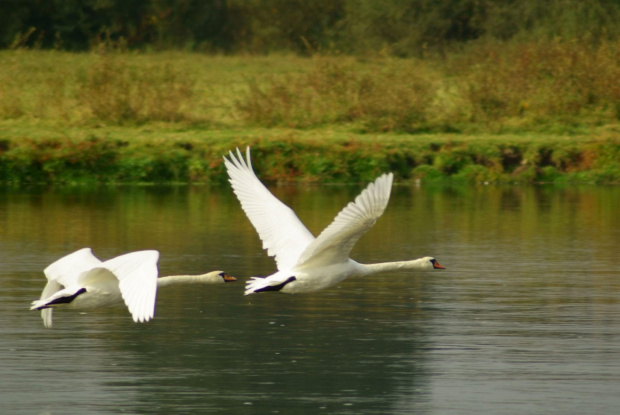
[229,278]
[437,265]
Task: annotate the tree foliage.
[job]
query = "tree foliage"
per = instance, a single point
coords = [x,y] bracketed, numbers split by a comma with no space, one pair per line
[400,27]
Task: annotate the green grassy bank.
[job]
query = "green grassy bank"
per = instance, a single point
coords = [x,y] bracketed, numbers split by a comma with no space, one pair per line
[167,154]
[530,112]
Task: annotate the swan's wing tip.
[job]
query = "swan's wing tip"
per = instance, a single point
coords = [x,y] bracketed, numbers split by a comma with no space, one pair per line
[237,155]
[143,319]
[387,178]
[46,313]
[254,284]
[137,275]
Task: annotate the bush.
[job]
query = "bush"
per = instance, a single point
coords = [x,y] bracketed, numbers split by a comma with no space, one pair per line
[115,89]
[539,82]
[387,95]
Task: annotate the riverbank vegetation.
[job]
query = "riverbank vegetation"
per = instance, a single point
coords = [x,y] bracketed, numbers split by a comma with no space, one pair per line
[116,116]
[549,87]
[164,153]
[413,28]
[429,91]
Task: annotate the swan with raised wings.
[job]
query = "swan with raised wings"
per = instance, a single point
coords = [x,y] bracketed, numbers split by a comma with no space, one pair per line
[81,281]
[306,263]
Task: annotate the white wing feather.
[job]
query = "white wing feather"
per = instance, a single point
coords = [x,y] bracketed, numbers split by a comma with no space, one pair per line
[67,269]
[282,233]
[137,280]
[65,272]
[335,243]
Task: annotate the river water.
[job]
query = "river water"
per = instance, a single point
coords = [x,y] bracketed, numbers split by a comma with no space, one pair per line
[525,318]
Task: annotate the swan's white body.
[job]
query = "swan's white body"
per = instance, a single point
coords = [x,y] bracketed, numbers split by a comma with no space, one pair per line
[81,281]
[306,263]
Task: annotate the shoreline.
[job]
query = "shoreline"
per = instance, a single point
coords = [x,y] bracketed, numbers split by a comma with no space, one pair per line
[32,153]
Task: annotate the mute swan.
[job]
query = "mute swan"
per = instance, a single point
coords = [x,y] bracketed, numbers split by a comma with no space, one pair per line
[81,281]
[306,263]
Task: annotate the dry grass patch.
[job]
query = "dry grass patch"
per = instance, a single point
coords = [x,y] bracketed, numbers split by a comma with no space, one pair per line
[382,95]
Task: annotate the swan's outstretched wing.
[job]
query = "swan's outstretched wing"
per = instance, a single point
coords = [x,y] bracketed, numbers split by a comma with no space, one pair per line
[282,233]
[334,244]
[65,272]
[67,269]
[137,280]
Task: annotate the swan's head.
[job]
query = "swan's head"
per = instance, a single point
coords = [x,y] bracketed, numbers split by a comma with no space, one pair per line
[431,263]
[225,277]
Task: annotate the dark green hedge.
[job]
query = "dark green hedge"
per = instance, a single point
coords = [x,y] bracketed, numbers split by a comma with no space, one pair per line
[404,28]
[95,160]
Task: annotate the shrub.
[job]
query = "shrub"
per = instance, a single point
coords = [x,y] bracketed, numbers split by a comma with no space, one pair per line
[114,88]
[540,81]
[388,95]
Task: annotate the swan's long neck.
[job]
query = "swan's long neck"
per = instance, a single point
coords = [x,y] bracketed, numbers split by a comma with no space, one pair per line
[189,279]
[416,264]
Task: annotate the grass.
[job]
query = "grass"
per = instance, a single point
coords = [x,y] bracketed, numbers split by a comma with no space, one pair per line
[521,112]
[120,88]
[163,153]
[387,95]
[557,86]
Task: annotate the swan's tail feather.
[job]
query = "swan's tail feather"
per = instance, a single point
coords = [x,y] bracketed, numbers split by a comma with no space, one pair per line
[255,285]
[258,284]
[38,304]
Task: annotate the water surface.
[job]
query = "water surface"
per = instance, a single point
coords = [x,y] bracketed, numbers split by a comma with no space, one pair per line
[525,319]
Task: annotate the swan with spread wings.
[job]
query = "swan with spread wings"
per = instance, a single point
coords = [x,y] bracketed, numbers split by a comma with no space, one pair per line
[81,281]
[306,263]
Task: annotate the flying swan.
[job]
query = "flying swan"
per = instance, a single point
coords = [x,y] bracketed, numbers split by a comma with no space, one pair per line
[81,281]
[306,263]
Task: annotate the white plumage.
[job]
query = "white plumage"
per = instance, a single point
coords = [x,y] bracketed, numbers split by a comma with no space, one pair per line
[306,263]
[81,281]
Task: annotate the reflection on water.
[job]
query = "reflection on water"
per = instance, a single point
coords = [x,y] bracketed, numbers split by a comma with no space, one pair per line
[524,320]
